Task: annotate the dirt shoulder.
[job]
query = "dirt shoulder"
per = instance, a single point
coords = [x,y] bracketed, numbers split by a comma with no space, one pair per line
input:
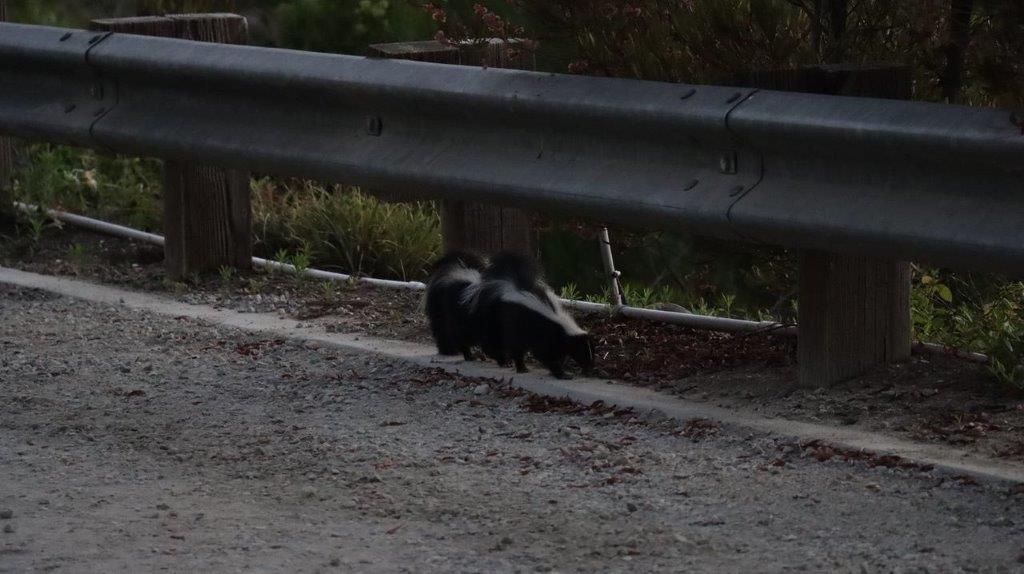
[931,399]
[134,442]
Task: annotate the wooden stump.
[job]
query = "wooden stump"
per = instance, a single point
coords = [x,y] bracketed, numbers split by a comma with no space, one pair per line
[854,312]
[141,25]
[207,210]
[467,225]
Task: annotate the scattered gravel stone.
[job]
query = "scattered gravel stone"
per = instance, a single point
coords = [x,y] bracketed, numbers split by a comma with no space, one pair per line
[431,494]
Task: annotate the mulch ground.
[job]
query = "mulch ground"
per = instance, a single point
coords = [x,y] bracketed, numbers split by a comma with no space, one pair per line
[648,352]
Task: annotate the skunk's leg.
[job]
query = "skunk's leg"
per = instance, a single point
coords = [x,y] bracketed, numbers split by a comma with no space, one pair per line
[467,353]
[520,360]
[557,369]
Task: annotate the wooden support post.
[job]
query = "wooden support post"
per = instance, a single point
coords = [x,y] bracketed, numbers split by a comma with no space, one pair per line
[6,162]
[207,210]
[468,225]
[854,311]
[854,315]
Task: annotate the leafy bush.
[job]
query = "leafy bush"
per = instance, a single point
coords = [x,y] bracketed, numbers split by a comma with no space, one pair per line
[672,40]
[122,189]
[699,41]
[344,26]
[979,312]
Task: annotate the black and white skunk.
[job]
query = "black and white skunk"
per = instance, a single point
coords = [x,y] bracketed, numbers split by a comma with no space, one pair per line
[451,288]
[513,312]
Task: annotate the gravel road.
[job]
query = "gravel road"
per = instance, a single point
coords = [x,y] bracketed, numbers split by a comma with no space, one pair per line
[131,442]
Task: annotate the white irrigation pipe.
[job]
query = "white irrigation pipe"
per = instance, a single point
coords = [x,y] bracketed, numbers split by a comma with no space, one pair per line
[341,277]
[96,225]
[686,319]
[922,348]
[672,317]
[122,231]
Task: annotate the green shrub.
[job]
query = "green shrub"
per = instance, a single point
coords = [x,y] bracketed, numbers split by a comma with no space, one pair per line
[345,229]
[973,311]
[345,26]
[330,227]
[126,190]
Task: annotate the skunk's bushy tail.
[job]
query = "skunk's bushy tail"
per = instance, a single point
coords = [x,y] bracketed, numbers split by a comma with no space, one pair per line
[458,258]
[521,270]
[453,281]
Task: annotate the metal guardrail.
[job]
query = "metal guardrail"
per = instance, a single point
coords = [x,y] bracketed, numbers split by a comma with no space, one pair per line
[882,178]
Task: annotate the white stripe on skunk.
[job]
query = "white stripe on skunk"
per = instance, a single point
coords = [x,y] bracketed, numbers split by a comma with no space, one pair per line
[509,321]
[549,307]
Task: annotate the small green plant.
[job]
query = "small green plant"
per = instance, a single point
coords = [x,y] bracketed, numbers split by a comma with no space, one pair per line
[648,297]
[726,302]
[569,291]
[328,290]
[257,284]
[301,262]
[176,287]
[36,220]
[700,306]
[227,273]
[282,257]
[604,297]
[78,255]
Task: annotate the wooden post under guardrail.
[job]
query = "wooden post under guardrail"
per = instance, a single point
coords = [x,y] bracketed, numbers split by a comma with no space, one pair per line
[854,312]
[207,210]
[467,225]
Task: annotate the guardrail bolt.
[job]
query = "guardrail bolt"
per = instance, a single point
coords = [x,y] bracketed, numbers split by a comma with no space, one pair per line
[65,37]
[374,125]
[68,108]
[689,93]
[727,163]
[97,91]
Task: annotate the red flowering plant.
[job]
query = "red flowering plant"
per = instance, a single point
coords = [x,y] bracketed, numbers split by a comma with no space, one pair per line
[670,40]
[480,28]
[708,41]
